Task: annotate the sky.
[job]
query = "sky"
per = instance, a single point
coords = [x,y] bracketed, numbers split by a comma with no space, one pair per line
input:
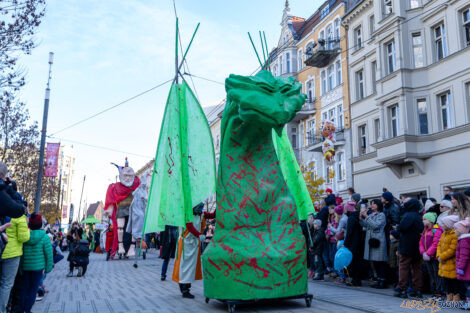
[110,50]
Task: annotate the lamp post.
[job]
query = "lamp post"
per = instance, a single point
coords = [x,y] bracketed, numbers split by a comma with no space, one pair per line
[43,137]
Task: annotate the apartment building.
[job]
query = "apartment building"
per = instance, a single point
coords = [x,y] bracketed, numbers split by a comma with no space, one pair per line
[314,51]
[409,70]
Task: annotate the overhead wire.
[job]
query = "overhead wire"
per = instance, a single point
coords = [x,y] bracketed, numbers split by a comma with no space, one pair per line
[111,107]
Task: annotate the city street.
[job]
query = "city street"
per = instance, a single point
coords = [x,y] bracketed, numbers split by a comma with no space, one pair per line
[116,286]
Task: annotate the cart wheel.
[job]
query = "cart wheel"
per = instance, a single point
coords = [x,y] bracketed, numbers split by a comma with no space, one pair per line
[144,255]
[231,308]
[308,302]
[207,300]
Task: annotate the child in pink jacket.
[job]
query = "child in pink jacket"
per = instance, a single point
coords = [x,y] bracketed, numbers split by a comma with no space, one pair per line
[462,254]
[428,247]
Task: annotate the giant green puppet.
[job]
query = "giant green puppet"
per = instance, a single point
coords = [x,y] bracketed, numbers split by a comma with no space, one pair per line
[258,250]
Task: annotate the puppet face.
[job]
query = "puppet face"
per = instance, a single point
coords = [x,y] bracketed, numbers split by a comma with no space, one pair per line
[264,99]
[127,176]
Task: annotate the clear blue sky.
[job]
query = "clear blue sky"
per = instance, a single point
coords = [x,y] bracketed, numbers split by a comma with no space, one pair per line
[109,50]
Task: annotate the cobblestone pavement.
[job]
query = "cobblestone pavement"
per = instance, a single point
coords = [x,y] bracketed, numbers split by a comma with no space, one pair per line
[116,286]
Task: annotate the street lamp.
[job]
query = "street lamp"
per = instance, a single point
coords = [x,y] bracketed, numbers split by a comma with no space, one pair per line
[43,137]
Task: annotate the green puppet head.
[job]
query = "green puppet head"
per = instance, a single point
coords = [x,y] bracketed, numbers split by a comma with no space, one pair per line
[264,99]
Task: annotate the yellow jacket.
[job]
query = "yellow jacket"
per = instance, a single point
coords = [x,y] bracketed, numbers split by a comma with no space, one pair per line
[446,252]
[18,233]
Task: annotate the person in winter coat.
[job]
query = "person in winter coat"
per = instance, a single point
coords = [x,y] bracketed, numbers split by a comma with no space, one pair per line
[11,202]
[37,260]
[169,238]
[375,246]
[391,209]
[410,229]
[109,241]
[354,241]
[446,209]
[80,256]
[428,248]
[446,257]
[342,221]
[462,254]
[318,245]
[18,233]
[329,201]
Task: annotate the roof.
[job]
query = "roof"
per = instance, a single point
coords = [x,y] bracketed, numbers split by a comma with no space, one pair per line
[92,208]
[213,112]
[297,23]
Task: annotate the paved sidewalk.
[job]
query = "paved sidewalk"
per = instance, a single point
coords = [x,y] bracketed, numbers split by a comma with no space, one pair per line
[116,286]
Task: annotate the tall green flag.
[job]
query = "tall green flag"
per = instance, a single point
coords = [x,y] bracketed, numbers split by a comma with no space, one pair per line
[184,170]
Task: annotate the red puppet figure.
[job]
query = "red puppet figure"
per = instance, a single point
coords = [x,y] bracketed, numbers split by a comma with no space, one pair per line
[120,193]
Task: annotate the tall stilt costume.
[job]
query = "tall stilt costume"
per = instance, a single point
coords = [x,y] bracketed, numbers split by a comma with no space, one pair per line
[118,201]
[183,176]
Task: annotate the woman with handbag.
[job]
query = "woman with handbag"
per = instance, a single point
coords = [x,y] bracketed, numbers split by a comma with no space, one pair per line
[375,249]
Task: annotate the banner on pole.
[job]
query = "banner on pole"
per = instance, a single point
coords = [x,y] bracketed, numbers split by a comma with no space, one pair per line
[52,159]
[64,212]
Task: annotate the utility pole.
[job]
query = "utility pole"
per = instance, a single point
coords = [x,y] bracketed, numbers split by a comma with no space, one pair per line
[58,196]
[43,137]
[81,195]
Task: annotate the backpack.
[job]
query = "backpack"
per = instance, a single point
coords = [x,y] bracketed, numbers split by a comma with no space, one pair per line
[82,251]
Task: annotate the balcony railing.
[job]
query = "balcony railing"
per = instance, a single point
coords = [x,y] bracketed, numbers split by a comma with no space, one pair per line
[323,52]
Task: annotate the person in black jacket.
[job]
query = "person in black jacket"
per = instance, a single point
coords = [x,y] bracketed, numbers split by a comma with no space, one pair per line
[11,202]
[80,259]
[410,229]
[318,245]
[354,241]
[169,238]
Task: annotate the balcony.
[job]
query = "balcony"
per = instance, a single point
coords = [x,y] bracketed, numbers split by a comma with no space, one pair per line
[307,109]
[323,52]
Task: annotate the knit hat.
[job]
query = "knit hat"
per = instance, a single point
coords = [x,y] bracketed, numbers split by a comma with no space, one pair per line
[317,222]
[428,205]
[350,206]
[339,200]
[430,216]
[446,203]
[388,196]
[411,205]
[463,226]
[35,221]
[356,197]
[329,190]
[330,200]
[450,220]
[339,210]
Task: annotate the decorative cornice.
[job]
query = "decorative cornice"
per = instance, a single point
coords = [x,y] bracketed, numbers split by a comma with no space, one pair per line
[349,16]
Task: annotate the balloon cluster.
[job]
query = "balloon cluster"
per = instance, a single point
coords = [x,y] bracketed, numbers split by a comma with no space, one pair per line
[328,132]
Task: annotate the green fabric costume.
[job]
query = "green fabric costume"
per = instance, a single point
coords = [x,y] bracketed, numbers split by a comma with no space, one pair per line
[258,250]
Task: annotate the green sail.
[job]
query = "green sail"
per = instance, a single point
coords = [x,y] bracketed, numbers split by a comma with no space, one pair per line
[184,170]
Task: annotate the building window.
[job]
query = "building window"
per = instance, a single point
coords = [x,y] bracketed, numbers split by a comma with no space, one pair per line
[281,67]
[300,60]
[311,131]
[414,4]
[325,11]
[394,120]
[287,62]
[338,73]
[373,75]
[301,135]
[322,35]
[377,129]
[332,116]
[340,117]
[294,137]
[324,116]
[310,88]
[217,141]
[447,119]
[371,25]
[337,29]
[391,57]
[440,43]
[323,82]
[359,85]
[466,26]
[417,49]
[341,167]
[362,140]
[329,36]
[358,37]
[331,77]
[388,7]
[423,117]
